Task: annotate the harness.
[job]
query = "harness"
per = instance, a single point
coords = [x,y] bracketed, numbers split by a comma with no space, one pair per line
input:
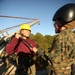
[24,62]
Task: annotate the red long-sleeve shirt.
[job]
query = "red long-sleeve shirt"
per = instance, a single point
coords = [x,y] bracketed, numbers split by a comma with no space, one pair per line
[19,46]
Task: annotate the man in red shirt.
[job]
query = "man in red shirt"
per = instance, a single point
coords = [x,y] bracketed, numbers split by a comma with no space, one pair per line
[24,47]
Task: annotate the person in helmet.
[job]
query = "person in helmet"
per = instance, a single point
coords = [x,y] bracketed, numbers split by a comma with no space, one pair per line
[24,47]
[63,48]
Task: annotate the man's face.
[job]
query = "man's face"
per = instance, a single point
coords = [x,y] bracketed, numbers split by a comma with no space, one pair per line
[25,32]
[57,26]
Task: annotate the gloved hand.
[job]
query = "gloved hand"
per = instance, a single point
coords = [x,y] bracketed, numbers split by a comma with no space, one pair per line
[40,53]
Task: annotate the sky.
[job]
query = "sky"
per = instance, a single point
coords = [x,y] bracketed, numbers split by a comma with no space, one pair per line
[37,9]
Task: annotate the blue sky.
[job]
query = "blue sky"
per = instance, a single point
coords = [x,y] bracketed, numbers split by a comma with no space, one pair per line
[38,9]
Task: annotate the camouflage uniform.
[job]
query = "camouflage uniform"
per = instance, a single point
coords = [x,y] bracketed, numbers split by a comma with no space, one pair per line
[63,52]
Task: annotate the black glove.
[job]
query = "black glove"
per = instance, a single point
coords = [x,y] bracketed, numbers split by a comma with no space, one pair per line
[40,53]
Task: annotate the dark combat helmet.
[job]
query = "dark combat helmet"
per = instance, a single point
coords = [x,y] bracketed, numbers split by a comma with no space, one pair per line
[65,13]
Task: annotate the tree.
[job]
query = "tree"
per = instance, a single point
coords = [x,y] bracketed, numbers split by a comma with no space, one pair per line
[43,42]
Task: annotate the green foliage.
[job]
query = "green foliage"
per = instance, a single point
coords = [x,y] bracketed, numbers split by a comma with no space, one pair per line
[32,36]
[43,42]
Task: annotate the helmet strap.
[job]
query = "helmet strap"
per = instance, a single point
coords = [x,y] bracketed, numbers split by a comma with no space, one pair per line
[24,36]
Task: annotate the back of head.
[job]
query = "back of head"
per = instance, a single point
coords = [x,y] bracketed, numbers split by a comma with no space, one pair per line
[65,14]
[70,25]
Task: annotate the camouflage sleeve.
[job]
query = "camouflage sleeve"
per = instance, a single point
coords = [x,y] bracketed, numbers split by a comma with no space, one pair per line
[56,47]
[63,46]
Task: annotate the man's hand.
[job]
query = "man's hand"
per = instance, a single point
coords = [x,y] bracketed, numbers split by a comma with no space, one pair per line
[17,35]
[34,49]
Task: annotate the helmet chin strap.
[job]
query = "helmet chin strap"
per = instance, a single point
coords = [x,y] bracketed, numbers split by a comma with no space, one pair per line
[24,36]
